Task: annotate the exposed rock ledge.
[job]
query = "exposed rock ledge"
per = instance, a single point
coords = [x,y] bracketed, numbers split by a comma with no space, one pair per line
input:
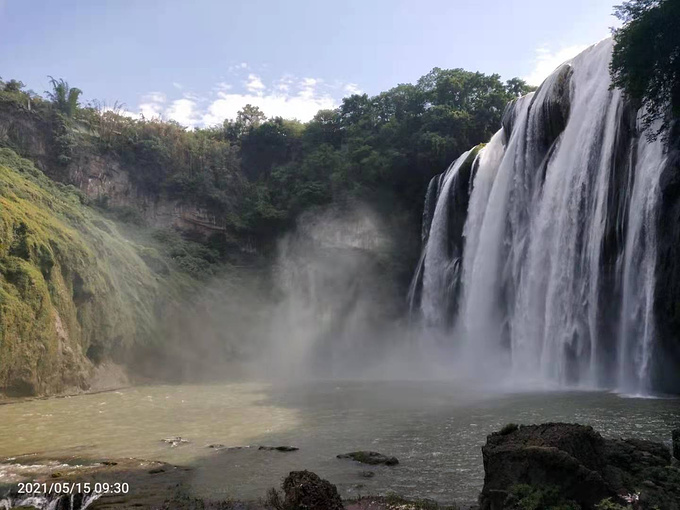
[581,465]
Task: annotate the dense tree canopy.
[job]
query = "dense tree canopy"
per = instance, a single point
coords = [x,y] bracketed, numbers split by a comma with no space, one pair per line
[646,58]
[259,173]
[390,144]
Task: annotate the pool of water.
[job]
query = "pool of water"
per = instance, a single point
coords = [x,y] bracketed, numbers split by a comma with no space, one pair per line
[436,429]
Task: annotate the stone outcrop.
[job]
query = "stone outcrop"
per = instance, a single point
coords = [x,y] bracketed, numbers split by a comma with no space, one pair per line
[580,463]
[306,490]
[105,179]
[371,458]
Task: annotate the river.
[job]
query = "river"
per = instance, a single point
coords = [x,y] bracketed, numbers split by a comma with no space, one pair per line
[436,429]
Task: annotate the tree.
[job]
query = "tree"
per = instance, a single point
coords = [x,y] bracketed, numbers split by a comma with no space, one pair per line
[65,98]
[517,87]
[646,59]
[13,86]
[274,142]
[247,118]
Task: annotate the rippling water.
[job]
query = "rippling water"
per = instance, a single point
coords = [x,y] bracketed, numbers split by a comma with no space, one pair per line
[435,429]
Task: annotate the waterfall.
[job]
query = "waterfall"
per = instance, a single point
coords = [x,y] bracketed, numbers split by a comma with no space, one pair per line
[440,267]
[555,276]
[50,502]
[637,320]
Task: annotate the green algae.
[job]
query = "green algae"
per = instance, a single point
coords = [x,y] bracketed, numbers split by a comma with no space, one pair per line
[73,289]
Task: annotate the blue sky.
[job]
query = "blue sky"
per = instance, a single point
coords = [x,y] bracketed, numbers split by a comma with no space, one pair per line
[199,61]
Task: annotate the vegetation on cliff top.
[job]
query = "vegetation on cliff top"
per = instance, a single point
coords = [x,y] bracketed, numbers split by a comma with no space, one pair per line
[257,173]
[646,58]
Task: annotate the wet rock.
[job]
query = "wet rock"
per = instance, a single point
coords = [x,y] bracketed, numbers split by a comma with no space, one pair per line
[108,463]
[372,458]
[666,360]
[279,448]
[306,490]
[175,441]
[155,471]
[367,474]
[676,444]
[578,462]
[216,446]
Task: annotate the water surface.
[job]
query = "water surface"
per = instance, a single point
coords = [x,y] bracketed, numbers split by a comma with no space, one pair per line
[436,429]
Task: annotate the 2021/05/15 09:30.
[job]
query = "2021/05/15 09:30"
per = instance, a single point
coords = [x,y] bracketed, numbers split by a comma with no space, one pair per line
[34,488]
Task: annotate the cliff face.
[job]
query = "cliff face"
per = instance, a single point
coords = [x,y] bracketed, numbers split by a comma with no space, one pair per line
[103,178]
[667,291]
[73,290]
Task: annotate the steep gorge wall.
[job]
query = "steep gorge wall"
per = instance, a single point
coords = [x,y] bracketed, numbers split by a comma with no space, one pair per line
[73,291]
[103,178]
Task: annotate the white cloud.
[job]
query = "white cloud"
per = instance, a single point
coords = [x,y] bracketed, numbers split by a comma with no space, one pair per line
[119,111]
[223,85]
[275,105]
[152,105]
[284,83]
[184,112]
[238,67]
[254,83]
[547,61]
[178,86]
[287,97]
[351,88]
[156,97]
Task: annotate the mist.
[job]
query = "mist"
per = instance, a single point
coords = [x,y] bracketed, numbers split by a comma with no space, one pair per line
[331,305]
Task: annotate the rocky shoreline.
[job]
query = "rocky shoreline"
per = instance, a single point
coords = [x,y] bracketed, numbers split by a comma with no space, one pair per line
[555,466]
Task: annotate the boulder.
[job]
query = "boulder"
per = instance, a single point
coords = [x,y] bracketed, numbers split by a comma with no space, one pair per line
[305,490]
[676,444]
[372,458]
[579,463]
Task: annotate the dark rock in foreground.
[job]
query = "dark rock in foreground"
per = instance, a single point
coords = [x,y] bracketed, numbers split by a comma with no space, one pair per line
[306,490]
[676,444]
[577,461]
[279,448]
[373,458]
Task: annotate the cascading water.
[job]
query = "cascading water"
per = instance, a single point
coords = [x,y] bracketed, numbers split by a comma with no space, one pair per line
[440,268]
[557,266]
[51,502]
[637,313]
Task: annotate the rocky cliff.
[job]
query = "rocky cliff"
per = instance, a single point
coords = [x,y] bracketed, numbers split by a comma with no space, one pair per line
[74,291]
[560,465]
[103,176]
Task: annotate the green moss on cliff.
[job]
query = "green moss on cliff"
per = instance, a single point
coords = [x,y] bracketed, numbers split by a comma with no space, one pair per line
[72,288]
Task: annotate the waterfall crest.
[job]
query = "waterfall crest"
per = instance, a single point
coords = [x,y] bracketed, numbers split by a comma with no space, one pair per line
[552,274]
